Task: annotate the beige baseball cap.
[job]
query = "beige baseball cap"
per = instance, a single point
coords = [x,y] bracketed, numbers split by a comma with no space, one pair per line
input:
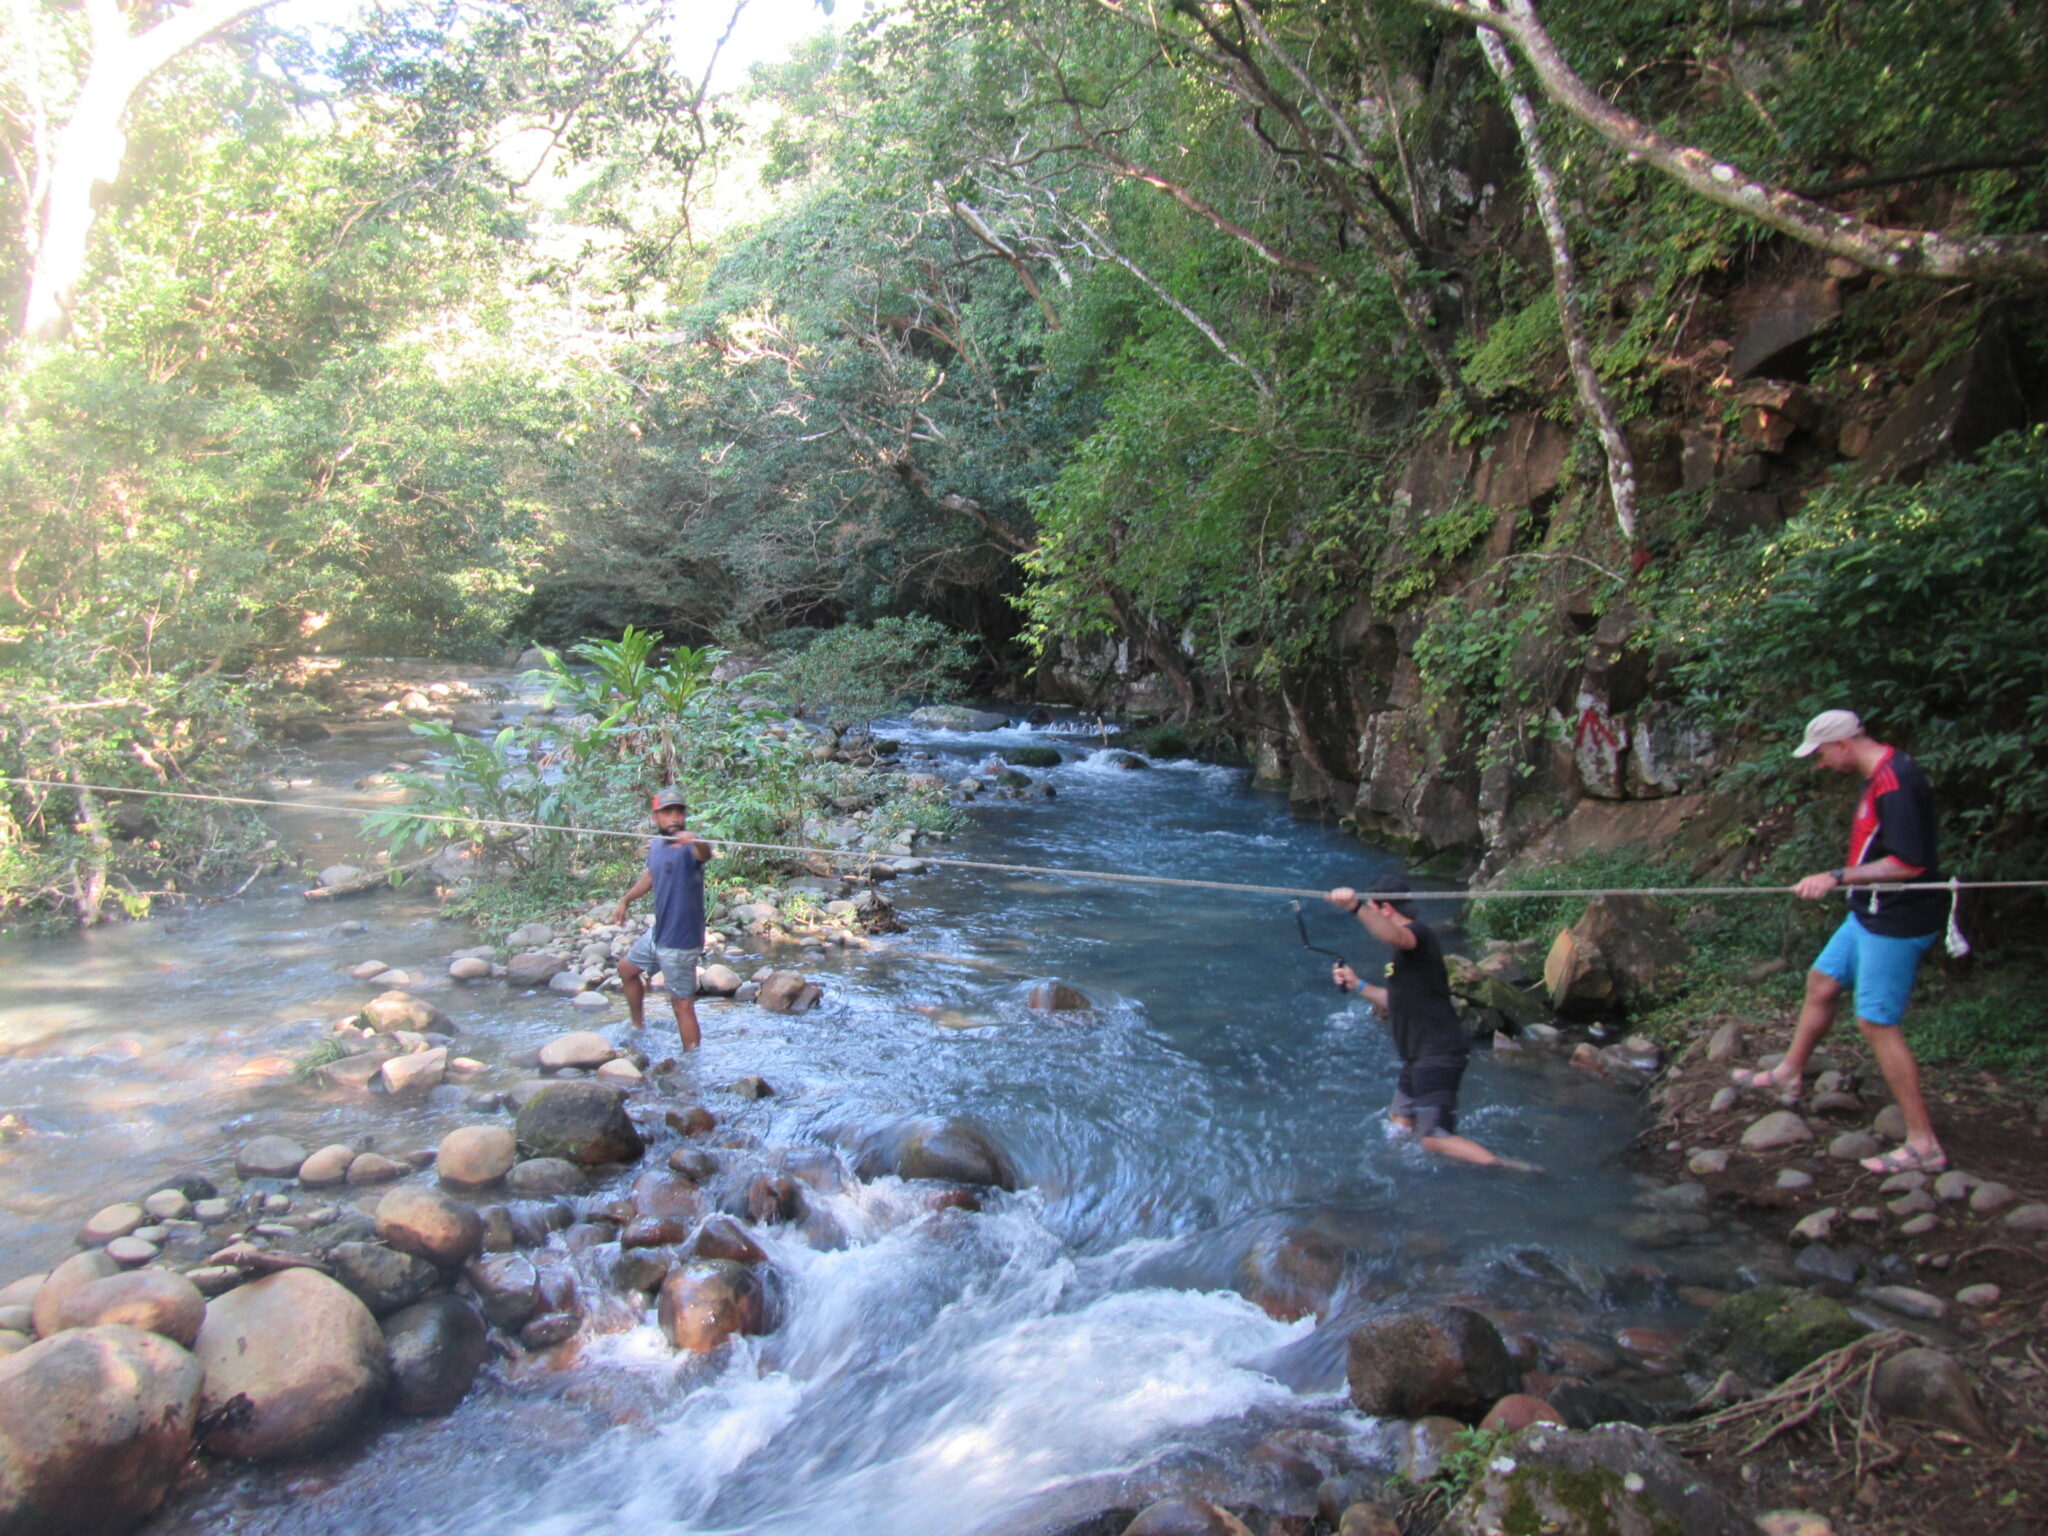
[1828,725]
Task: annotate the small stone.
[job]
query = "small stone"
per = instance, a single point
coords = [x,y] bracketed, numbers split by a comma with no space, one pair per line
[1851,1145]
[168,1205]
[277,1205]
[2032,1217]
[1900,1183]
[539,1176]
[326,1167]
[413,1075]
[110,1222]
[1919,1226]
[131,1251]
[1794,1522]
[1954,1184]
[753,1087]
[1868,1215]
[270,1157]
[1724,1100]
[1780,1128]
[619,1070]
[375,1168]
[1793,1178]
[1726,1043]
[470,968]
[1711,1160]
[210,1211]
[1979,1297]
[583,1049]
[429,1224]
[368,969]
[1890,1124]
[1912,1203]
[1990,1197]
[1817,1226]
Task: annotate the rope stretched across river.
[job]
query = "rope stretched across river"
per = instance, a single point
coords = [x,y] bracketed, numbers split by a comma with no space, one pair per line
[1112,877]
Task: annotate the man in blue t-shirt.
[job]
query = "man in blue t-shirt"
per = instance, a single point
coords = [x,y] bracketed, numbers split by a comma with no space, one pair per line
[1877,949]
[674,945]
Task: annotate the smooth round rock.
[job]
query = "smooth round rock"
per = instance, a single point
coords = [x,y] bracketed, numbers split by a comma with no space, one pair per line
[476,1156]
[305,1357]
[168,1205]
[436,1348]
[94,1425]
[540,1176]
[78,1270]
[585,1048]
[375,1168]
[392,1011]
[110,1222]
[326,1167]
[270,1157]
[1779,1128]
[706,1303]
[153,1300]
[382,1278]
[470,968]
[429,1224]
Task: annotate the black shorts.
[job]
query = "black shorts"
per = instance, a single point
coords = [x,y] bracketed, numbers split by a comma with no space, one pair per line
[1427,1093]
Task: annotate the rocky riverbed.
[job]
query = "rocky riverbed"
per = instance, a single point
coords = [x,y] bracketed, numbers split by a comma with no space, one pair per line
[953,1244]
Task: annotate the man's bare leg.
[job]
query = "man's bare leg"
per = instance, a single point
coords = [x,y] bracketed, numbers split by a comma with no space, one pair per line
[1816,1018]
[686,1021]
[1465,1150]
[1902,1075]
[633,983]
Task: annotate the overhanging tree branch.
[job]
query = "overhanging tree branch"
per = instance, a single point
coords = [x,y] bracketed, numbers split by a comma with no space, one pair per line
[1903,252]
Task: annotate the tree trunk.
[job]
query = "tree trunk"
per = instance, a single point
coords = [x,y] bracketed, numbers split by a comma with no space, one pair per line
[1593,396]
[89,148]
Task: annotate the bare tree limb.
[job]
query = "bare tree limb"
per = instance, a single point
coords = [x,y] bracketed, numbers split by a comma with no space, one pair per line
[1593,396]
[1903,252]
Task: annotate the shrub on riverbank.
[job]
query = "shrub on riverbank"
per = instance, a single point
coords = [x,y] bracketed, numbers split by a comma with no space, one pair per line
[78,718]
[542,800]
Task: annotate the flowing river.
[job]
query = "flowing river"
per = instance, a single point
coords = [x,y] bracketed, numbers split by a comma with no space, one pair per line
[1209,1137]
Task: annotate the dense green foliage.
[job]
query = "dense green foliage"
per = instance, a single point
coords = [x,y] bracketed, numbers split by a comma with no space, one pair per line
[1902,599]
[1054,325]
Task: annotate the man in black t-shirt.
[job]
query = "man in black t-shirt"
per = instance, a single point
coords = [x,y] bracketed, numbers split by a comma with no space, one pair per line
[1416,1003]
[1877,949]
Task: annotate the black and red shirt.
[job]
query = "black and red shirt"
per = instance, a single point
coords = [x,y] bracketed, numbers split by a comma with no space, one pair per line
[1895,817]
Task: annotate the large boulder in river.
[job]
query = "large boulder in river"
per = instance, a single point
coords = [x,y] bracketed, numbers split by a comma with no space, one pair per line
[293,1363]
[436,1349]
[583,1122]
[1767,1332]
[391,1011]
[1625,951]
[787,992]
[94,1425]
[1447,1360]
[955,1151]
[705,1303]
[1616,1480]
[154,1300]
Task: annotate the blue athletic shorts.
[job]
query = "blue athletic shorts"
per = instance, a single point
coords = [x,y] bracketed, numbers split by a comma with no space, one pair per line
[1880,969]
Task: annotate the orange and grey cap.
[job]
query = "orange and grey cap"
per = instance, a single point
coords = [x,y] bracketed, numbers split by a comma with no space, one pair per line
[671,796]
[1829,725]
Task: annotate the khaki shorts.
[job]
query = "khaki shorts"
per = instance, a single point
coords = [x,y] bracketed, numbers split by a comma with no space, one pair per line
[678,967]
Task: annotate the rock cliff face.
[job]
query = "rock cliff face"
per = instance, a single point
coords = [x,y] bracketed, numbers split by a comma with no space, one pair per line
[1581,749]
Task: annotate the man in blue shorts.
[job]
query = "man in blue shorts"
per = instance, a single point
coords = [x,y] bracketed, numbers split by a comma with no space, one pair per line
[1416,1003]
[675,943]
[1877,949]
